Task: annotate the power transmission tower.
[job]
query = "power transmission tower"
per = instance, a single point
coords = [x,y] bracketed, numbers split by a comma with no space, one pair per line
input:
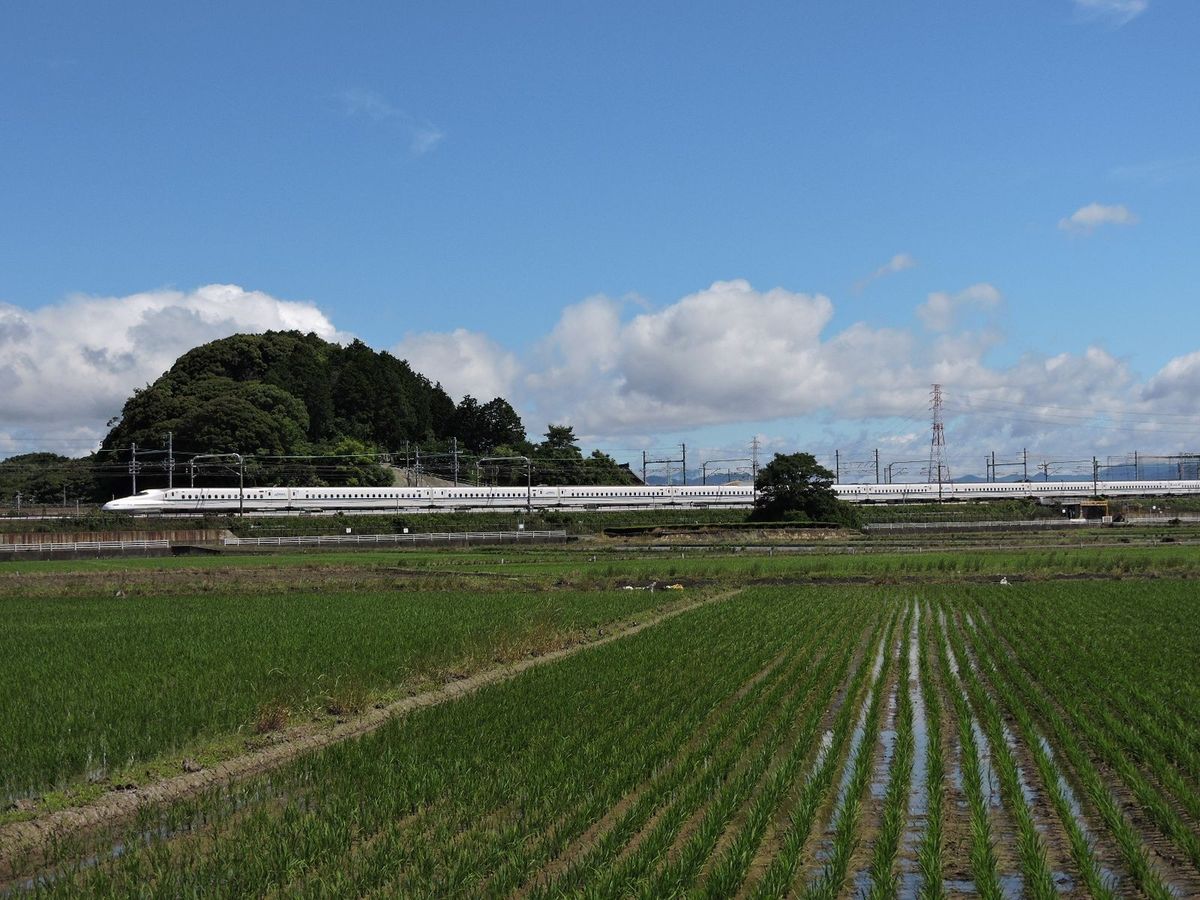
[937,445]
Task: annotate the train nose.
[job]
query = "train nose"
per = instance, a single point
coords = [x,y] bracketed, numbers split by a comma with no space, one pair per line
[113,506]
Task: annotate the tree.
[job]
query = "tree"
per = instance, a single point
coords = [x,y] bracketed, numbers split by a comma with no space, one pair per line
[43,477]
[557,459]
[796,487]
[500,424]
[600,468]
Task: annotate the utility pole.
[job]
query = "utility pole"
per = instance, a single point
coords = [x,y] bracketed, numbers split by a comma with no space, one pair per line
[18,503]
[837,467]
[1136,475]
[992,468]
[877,465]
[133,465]
[1095,477]
[667,462]
[455,440]
[708,462]
[1025,461]
[754,466]
[683,463]
[170,460]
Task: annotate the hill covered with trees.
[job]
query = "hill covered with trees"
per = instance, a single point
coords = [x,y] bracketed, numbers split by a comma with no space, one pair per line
[307,411]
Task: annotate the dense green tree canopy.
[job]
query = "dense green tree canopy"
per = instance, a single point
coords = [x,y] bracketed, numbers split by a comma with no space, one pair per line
[286,394]
[283,399]
[44,478]
[795,486]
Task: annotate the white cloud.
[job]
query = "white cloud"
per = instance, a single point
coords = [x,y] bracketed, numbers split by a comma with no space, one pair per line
[723,357]
[1088,218]
[1176,386]
[464,362]
[897,263]
[424,139]
[727,347]
[373,105]
[423,136]
[68,367]
[940,310]
[1117,12]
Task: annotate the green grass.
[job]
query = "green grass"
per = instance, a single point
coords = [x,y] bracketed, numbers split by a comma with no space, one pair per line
[633,564]
[89,686]
[705,756]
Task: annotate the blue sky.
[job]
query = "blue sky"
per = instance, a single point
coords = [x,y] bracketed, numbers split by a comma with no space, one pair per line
[452,181]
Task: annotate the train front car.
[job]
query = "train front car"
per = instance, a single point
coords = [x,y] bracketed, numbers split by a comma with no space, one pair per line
[141,502]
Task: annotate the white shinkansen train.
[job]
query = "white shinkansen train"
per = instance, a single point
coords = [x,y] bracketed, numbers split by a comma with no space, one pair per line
[339,499]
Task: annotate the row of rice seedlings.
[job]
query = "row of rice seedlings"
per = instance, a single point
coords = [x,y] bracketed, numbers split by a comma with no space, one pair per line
[832,878]
[717,745]
[1148,752]
[453,752]
[482,849]
[929,851]
[1030,847]
[781,872]
[728,871]
[461,834]
[1094,876]
[1164,728]
[1147,644]
[1169,823]
[1147,732]
[1065,737]
[681,872]
[884,880]
[984,867]
[125,680]
[730,770]
[664,782]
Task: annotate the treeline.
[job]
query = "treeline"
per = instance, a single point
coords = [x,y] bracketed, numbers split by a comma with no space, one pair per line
[303,411]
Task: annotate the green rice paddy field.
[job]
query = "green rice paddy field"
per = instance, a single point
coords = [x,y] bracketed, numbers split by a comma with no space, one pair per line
[808,725]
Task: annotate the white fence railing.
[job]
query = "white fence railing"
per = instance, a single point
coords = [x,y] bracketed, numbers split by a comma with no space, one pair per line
[446,537]
[85,546]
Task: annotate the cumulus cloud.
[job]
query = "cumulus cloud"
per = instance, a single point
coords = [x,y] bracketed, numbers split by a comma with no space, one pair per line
[724,358]
[941,310]
[733,354]
[1116,12]
[687,364]
[897,263]
[67,368]
[1088,218]
[464,362]
[1176,385]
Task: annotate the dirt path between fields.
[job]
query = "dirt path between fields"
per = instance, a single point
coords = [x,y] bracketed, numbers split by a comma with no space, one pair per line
[25,841]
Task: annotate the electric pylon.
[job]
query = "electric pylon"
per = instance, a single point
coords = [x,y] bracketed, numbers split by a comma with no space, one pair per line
[938,470]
